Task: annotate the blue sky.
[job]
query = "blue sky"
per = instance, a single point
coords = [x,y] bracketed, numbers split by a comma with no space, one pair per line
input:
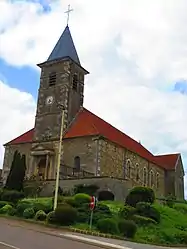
[135,52]
[24,78]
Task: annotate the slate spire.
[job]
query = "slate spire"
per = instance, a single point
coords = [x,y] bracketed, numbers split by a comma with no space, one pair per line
[65,48]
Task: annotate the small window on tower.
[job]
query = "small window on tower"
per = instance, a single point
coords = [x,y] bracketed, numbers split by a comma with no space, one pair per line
[52,79]
[75,82]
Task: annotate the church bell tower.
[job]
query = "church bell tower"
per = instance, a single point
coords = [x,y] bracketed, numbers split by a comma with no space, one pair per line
[61,86]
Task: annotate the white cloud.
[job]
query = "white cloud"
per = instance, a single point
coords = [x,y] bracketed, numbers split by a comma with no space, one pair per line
[17,111]
[135,51]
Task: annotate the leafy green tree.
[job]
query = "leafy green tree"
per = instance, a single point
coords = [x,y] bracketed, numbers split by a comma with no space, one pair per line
[17,173]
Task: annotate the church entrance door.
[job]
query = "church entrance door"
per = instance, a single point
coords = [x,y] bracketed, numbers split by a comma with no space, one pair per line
[42,168]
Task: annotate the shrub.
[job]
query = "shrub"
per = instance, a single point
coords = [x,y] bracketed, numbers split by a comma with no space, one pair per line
[11,211]
[21,206]
[181,237]
[3,203]
[82,198]
[145,209]
[28,213]
[101,212]
[126,212]
[170,201]
[51,217]
[105,196]
[12,196]
[128,228]
[40,206]
[40,215]
[89,189]
[181,207]
[66,215]
[71,201]
[5,209]
[108,225]
[140,194]
[83,213]
[143,221]
[102,208]
[1,192]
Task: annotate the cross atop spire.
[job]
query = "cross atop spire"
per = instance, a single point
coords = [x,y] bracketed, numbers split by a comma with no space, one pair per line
[68,12]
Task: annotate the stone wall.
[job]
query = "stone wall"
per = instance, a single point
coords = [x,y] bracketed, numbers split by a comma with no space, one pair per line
[114,160]
[118,187]
[170,182]
[111,158]
[83,147]
[158,184]
[179,180]
[174,181]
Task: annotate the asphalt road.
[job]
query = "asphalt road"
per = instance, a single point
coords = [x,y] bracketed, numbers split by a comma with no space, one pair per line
[13,237]
[16,234]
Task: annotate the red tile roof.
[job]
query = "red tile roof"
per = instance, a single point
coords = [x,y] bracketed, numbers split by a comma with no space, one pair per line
[86,123]
[169,160]
[24,138]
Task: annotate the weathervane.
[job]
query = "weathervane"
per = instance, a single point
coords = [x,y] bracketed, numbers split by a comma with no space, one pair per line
[68,12]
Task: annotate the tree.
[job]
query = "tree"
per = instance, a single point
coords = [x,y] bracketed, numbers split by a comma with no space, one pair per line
[17,173]
[22,170]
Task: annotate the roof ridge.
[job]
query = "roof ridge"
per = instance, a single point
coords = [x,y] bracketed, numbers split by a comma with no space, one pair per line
[170,154]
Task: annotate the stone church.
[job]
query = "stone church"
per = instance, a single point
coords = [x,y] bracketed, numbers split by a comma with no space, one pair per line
[93,151]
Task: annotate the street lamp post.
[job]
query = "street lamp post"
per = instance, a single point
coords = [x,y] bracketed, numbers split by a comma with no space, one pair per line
[59,159]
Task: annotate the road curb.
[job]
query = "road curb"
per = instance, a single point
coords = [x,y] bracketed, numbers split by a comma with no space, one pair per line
[92,242]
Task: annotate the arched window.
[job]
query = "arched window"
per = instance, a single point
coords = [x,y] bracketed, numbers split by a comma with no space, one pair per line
[157,180]
[75,82]
[52,79]
[128,169]
[152,178]
[144,176]
[77,163]
[137,172]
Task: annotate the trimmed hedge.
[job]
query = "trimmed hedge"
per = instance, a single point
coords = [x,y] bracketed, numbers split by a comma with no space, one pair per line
[66,215]
[127,212]
[51,217]
[108,225]
[140,194]
[128,228]
[21,206]
[145,209]
[12,196]
[40,215]
[101,212]
[5,209]
[82,198]
[11,211]
[3,203]
[28,213]
[143,221]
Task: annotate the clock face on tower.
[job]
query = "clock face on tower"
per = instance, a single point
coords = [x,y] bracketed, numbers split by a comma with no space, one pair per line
[49,100]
